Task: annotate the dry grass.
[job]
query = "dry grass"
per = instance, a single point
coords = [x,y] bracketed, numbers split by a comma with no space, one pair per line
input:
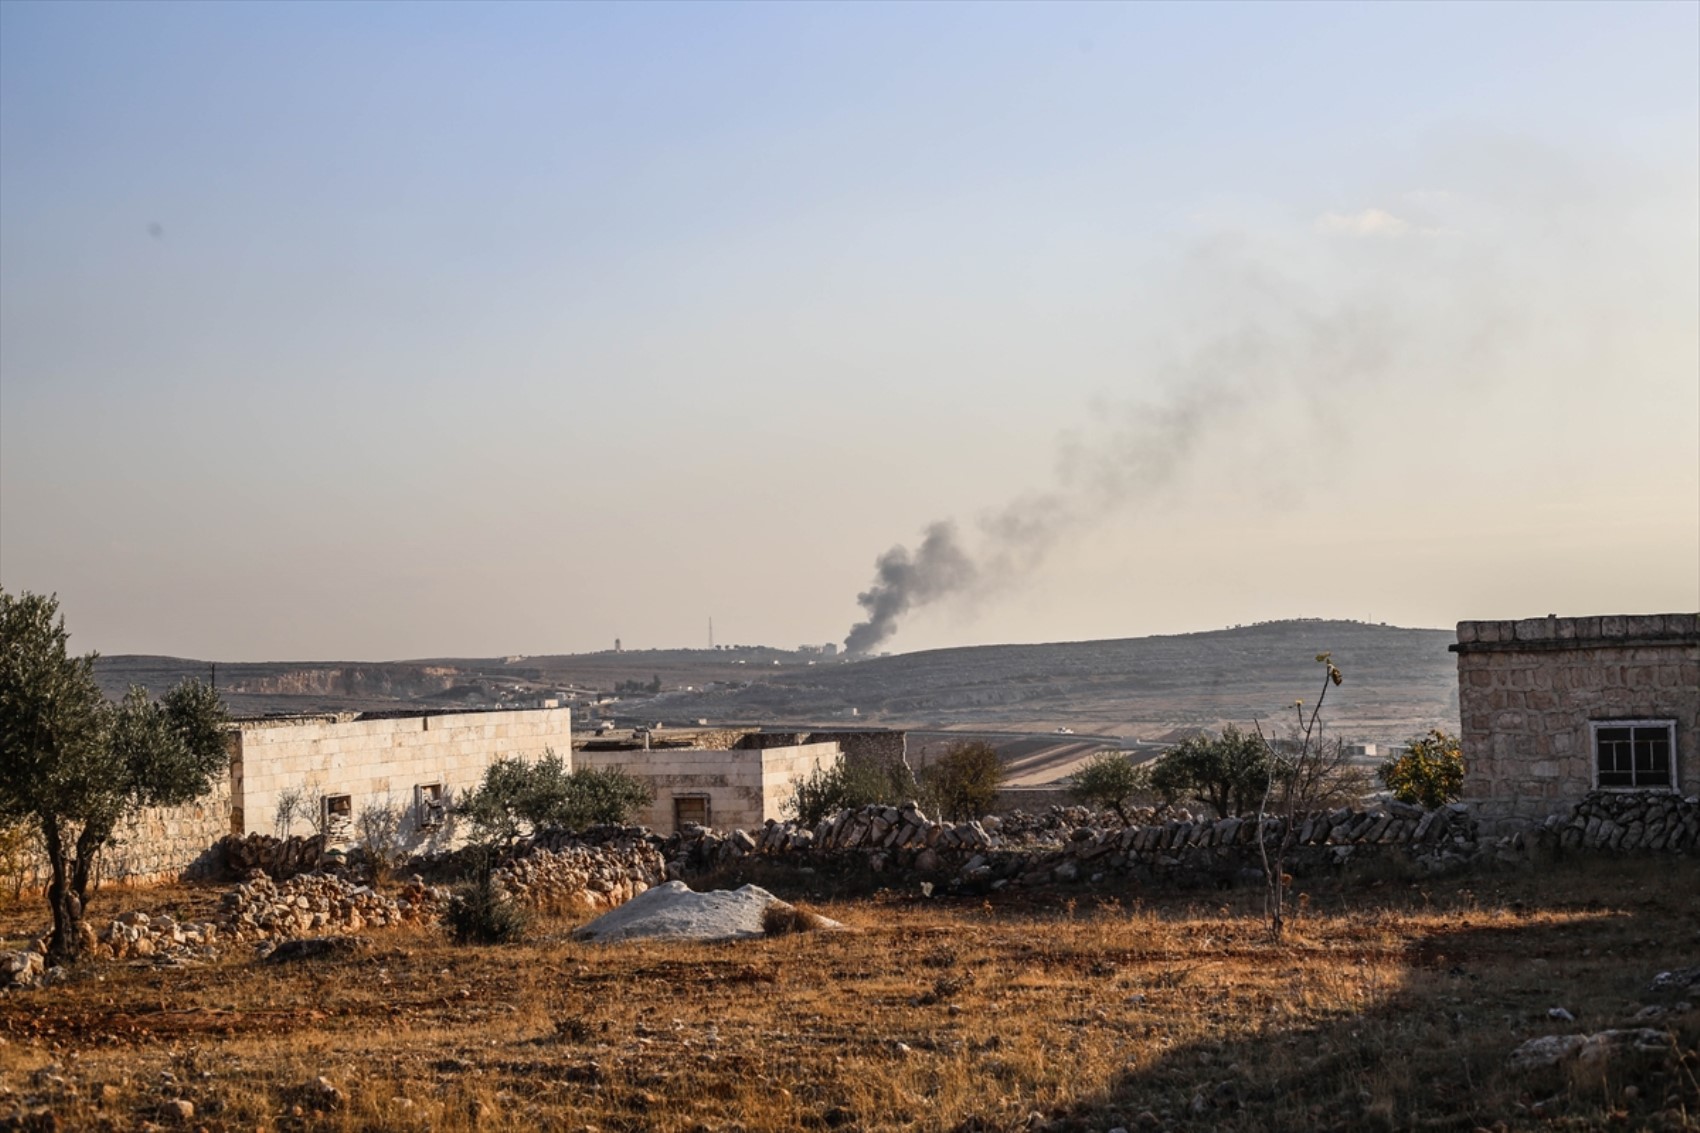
[1389,1007]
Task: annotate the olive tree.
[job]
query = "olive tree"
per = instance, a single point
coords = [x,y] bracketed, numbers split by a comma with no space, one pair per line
[1228,773]
[74,764]
[516,797]
[1110,780]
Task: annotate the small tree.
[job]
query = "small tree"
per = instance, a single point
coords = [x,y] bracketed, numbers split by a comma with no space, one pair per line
[75,764]
[516,797]
[1302,772]
[1430,773]
[381,833]
[1110,780]
[847,784]
[963,783]
[1227,773]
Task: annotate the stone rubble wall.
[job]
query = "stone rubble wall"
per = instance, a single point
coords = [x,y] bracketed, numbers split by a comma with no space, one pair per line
[566,874]
[278,858]
[154,844]
[903,840]
[1026,851]
[1626,822]
[315,903]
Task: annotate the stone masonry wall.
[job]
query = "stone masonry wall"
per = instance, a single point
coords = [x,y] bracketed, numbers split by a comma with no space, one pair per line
[377,759]
[1529,689]
[156,844]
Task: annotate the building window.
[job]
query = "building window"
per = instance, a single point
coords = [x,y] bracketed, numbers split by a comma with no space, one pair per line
[1631,755]
[690,810]
[338,819]
[429,807]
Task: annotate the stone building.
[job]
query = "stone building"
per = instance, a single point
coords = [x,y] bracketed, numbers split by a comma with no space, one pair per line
[332,766]
[301,774]
[732,777]
[1554,709]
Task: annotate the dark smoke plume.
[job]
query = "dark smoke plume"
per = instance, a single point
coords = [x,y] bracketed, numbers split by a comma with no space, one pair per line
[1134,450]
[901,580]
[1265,365]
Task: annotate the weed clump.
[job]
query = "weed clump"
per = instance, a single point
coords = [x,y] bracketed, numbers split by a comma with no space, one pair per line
[780,919]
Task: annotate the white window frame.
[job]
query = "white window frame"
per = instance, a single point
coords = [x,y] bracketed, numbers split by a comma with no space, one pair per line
[1594,726]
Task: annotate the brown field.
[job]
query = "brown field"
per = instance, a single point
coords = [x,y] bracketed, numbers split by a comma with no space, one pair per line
[1390,1005]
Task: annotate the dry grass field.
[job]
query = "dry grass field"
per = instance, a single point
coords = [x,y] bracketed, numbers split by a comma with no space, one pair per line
[1389,1006]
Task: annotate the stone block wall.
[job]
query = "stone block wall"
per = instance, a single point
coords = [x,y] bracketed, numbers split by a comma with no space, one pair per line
[374,759]
[1529,689]
[156,844]
[744,787]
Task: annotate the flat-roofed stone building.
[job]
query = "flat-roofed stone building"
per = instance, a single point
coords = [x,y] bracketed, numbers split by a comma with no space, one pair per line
[1554,708]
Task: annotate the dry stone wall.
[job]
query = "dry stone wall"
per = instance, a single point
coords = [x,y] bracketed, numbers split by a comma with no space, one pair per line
[565,874]
[1616,821]
[902,840]
[1021,850]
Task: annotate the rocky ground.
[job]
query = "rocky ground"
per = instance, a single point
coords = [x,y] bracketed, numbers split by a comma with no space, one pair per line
[1558,999]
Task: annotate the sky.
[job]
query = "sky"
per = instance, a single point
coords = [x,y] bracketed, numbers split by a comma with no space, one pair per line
[379,331]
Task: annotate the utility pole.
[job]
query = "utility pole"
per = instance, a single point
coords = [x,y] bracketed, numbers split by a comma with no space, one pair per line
[711,632]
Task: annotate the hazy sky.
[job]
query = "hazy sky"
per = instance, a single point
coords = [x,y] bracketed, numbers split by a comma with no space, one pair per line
[331,330]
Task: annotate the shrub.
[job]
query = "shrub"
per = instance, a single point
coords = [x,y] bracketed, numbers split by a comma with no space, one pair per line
[480,913]
[964,783]
[1430,773]
[1109,780]
[847,784]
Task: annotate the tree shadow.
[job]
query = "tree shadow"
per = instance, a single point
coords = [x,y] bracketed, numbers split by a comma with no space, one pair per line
[1342,1034]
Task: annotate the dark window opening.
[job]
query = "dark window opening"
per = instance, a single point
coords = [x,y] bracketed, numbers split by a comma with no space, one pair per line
[429,805]
[1635,754]
[338,818]
[690,810]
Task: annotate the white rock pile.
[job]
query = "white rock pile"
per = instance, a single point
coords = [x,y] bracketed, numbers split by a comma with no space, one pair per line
[137,936]
[673,912]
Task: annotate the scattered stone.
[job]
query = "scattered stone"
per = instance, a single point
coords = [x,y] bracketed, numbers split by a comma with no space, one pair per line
[313,947]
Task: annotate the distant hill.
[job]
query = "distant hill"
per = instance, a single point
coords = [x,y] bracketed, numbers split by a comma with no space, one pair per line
[1398,682]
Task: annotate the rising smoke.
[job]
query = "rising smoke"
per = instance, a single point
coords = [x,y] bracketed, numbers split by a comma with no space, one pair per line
[1284,354]
[1271,347]
[938,567]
